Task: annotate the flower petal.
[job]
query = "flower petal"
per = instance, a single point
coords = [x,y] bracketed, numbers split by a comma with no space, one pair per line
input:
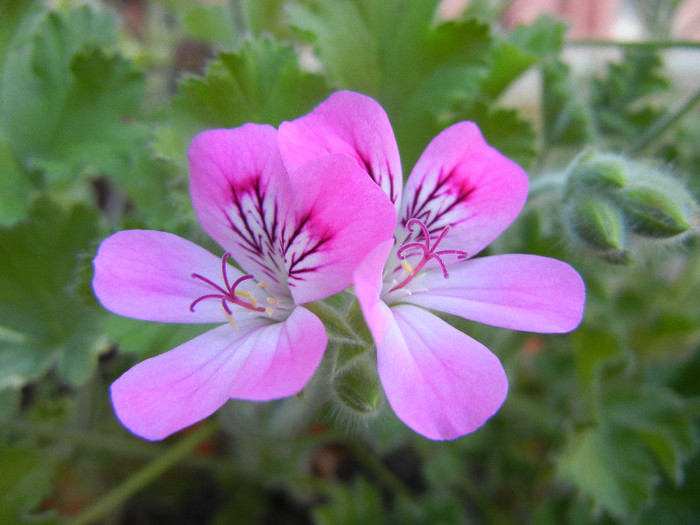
[368,288]
[259,361]
[340,215]
[148,275]
[238,184]
[352,124]
[462,182]
[440,382]
[521,292]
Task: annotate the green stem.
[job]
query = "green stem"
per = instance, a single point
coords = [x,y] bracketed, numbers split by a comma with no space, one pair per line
[142,478]
[664,123]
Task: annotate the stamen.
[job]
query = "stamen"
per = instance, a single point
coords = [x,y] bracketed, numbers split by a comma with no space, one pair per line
[263,284]
[229,317]
[428,253]
[273,300]
[229,294]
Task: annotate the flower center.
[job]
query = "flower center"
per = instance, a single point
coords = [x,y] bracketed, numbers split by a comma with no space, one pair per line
[229,294]
[426,251]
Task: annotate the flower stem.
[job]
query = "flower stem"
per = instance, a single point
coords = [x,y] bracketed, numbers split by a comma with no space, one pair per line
[119,495]
[663,123]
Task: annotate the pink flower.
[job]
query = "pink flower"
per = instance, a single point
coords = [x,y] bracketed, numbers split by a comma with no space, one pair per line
[459,197]
[297,237]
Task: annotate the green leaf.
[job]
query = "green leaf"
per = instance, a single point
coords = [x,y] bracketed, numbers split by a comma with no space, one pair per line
[659,417]
[621,99]
[524,47]
[210,22]
[504,129]
[25,481]
[358,504]
[65,99]
[592,348]
[391,50]
[611,468]
[148,338]
[15,186]
[565,119]
[42,321]
[262,82]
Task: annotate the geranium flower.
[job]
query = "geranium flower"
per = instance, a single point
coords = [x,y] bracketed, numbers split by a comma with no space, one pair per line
[297,237]
[460,196]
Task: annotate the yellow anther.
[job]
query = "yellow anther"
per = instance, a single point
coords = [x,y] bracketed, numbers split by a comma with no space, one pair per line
[253,302]
[407,266]
[268,311]
[263,284]
[273,300]
[243,294]
[229,317]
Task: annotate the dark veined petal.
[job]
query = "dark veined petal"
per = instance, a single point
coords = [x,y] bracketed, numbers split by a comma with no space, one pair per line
[462,182]
[240,192]
[341,214]
[352,124]
[303,231]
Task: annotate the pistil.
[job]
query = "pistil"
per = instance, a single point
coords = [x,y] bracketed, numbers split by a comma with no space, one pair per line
[428,253]
[228,293]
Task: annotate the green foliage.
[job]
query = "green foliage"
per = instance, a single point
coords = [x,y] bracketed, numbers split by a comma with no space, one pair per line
[26,481]
[66,97]
[43,320]
[600,426]
[621,99]
[262,82]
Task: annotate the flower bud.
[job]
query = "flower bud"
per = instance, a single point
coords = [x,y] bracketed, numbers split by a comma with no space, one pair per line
[358,387]
[592,171]
[658,211]
[597,223]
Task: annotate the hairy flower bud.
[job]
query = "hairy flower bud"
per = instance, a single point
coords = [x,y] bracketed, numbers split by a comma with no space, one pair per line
[358,387]
[597,223]
[592,171]
[658,211]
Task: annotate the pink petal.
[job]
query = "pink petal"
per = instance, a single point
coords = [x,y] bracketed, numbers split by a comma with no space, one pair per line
[368,288]
[521,292]
[340,215]
[240,192]
[148,275]
[352,124]
[440,382]
[259,361]
[461,181]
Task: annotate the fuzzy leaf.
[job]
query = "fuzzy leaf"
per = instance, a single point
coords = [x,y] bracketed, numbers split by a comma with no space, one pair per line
[42,321]
[262,82]
[621,99]
[64,100]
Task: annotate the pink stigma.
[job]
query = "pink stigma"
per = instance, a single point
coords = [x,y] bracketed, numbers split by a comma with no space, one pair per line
[428,252]
[227,294]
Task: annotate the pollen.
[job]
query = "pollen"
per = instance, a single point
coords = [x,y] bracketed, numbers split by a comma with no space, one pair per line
[263,284]
[268,311]
[243,294]
[273,300]
[407,266]
[230,320]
